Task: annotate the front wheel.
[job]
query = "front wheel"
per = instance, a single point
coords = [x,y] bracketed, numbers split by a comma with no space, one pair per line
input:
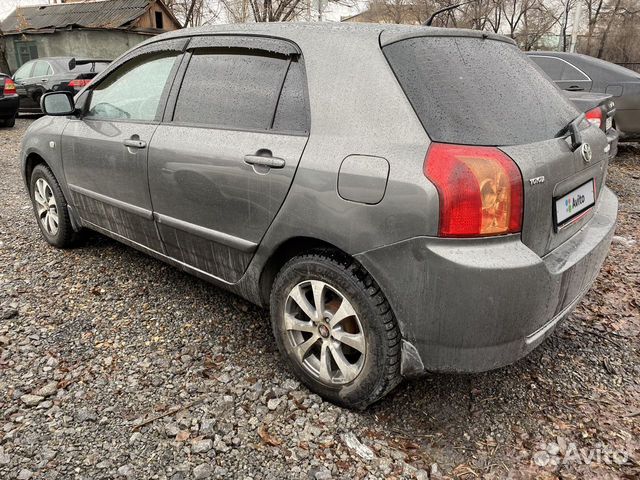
[50,208]
[335,327]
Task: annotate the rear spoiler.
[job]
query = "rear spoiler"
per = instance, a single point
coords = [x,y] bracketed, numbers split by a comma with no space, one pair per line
[74,62]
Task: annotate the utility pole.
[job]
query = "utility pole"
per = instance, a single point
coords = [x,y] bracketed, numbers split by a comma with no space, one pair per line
[574,28]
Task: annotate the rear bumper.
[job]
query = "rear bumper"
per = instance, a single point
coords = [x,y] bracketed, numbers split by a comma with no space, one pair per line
[9,106]
[612,140]
[470,305]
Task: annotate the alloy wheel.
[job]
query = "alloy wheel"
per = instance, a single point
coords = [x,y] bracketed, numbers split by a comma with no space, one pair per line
[46,206]
[324,332]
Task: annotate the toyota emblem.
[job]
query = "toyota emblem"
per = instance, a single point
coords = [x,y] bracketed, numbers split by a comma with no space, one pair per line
[585,151]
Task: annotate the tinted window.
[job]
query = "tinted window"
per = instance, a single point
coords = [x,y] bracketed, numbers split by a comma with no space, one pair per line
[133,91]
[291,114]
[478,92]
[230,90]
[558,69]
[550,66]
[41,69]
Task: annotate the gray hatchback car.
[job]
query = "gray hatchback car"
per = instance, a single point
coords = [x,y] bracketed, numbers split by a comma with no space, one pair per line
[404,199]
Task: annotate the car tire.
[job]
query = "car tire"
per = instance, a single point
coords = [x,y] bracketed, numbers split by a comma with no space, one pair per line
[9,122]
[357,342]
[50,208]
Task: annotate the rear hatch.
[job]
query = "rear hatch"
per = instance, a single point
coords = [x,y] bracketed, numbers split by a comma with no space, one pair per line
[473,88]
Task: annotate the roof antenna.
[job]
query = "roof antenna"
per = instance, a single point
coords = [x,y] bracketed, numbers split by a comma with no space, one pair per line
[445,9]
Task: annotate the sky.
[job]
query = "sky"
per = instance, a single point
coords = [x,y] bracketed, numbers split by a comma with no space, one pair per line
[7,6]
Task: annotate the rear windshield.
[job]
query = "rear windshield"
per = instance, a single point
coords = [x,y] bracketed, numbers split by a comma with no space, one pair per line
[95,67]
[478,92]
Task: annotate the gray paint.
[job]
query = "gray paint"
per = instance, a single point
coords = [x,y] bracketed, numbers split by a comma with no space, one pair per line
[478,304]
[363,178]
[462,304]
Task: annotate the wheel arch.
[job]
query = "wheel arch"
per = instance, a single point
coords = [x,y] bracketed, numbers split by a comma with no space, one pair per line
[284,252]
[31,161]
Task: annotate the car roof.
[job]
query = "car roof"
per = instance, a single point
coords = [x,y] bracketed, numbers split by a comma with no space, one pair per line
[307,31]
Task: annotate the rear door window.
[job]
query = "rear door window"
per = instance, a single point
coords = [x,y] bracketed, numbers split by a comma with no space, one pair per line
[243,90]
[477,91]
[230,90]
[559,69]
[41,69]
[291,114]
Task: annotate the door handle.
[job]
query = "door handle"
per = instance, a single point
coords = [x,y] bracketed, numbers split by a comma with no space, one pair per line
[134,143]
[271,162]
[575,88]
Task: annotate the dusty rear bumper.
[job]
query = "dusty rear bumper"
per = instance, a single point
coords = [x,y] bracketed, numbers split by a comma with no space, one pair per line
[469,305]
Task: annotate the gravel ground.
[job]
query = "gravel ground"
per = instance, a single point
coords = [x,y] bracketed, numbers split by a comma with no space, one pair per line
[114,365]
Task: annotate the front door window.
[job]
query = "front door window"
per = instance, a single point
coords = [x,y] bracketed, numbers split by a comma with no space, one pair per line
[133,91]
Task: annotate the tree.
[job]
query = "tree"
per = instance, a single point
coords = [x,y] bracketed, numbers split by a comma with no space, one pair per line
[193,13]
[4,64]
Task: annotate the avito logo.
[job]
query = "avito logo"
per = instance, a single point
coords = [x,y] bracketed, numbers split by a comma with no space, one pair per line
[570,204]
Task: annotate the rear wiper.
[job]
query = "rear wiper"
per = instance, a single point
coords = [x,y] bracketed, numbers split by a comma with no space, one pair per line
[573,128]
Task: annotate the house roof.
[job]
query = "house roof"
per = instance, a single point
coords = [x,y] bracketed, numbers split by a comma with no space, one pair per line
[111,14]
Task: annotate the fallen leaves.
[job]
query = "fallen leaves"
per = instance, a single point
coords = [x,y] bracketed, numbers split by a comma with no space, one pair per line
[267,437]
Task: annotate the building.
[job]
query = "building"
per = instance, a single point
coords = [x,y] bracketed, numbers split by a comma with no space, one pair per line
[83,29]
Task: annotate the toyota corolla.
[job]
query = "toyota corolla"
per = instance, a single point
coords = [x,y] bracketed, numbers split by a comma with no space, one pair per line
[403,199]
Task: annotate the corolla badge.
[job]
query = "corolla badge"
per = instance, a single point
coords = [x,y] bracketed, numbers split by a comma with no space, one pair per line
[585,151]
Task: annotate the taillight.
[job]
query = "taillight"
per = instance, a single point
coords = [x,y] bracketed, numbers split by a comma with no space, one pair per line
[79,82]
[594,117]
[9,87]
[480,190]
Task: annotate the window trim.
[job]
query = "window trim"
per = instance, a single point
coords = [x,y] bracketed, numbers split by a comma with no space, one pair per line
[169,113]
[587,77]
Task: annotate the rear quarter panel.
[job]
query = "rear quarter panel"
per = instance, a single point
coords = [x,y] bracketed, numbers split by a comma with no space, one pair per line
[357,108]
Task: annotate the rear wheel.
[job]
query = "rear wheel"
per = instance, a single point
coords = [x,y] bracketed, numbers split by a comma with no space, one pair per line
[50,208]
[336,328]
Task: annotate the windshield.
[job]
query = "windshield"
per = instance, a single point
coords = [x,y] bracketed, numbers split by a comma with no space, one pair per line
[478,91]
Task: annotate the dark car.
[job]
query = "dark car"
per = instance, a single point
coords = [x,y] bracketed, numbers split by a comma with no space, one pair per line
[37,77]
[8,101]
[395,217]
[582,73]
[599,109]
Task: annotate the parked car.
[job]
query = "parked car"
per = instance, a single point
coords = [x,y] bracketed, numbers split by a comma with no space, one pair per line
[37,77]
[8,101]
[599,109]
[577,72]
[395,217]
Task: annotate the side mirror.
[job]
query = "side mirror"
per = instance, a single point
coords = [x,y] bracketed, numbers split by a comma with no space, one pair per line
[58,104]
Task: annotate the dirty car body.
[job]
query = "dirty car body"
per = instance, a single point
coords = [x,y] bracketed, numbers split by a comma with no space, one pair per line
[347,164]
